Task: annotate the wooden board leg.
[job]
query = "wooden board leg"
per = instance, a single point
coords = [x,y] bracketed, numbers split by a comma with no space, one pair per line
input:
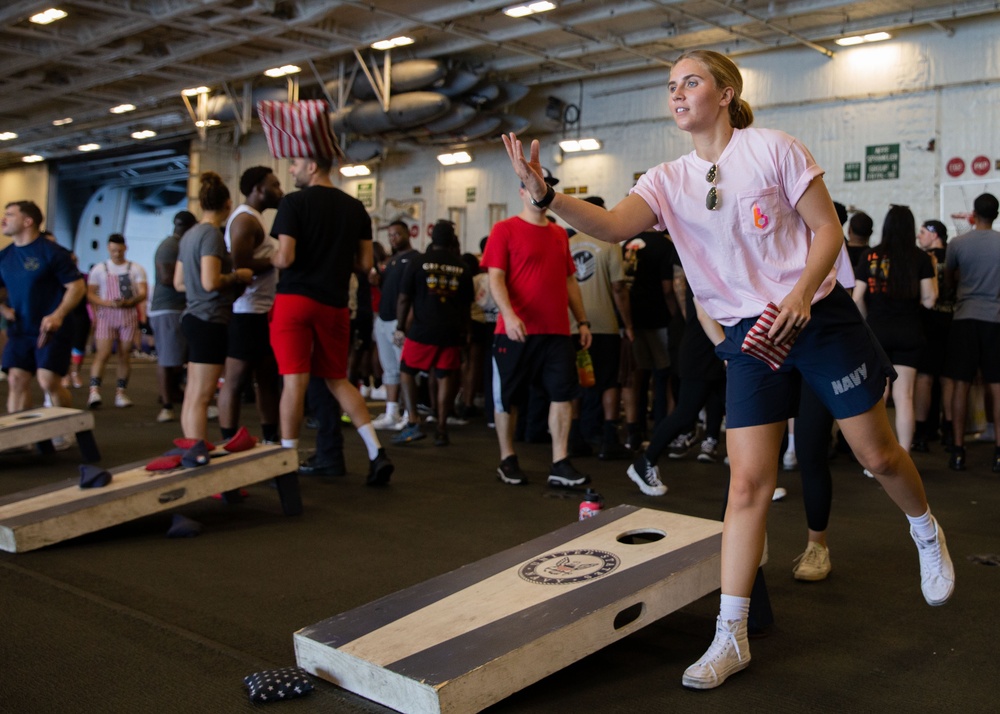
[88,446]
[288,492]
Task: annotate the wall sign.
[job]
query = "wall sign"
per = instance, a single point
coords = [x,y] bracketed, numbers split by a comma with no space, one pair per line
[980,166]
[956,167]
[470,194]
[882,162]
[366,194]
[852,171]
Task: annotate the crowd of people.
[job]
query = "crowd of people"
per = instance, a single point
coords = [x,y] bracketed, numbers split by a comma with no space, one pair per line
[622,341]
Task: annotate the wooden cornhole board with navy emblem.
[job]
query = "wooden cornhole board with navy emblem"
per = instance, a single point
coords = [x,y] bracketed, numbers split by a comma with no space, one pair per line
[39,426]
[59,511]
[465,640]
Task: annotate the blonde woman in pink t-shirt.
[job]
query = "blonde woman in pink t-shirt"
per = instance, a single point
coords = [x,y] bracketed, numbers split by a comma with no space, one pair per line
[754,224]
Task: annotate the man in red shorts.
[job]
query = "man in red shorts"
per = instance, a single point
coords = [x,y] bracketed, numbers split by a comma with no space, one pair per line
[433,309]
[322,234]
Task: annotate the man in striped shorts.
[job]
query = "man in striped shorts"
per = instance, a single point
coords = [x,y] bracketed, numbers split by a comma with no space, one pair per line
[116,288]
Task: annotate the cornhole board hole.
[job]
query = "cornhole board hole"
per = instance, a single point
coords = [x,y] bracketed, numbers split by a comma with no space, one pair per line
[39,426]
[56,512]
[465,640]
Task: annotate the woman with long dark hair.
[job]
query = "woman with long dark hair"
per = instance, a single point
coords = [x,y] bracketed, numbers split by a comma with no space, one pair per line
[892,281]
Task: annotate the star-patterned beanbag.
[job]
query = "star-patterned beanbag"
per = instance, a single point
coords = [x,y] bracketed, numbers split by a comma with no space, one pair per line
[275,685]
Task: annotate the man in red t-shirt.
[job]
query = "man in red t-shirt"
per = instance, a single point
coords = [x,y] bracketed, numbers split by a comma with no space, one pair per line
[532,280]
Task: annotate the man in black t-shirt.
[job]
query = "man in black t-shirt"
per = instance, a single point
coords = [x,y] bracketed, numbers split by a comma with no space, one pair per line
[433,310]
[322,234]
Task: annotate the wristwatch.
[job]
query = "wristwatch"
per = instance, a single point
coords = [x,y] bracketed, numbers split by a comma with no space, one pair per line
[585,323]
[550,194]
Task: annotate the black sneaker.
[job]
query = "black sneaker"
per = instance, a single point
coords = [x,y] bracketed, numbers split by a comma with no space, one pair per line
[563,475]
[680,446]
[957,460]
[441,439]
[311,467]
[509,471]
[920,445]
[380,470]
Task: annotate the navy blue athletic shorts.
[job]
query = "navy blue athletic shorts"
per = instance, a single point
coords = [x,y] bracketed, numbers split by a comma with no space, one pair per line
[545,361]
[836,354]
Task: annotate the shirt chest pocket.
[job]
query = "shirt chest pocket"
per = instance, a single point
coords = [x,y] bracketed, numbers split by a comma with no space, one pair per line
[759,212]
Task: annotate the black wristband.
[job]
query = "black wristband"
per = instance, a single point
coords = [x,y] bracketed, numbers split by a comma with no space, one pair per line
[550,194]
[584,323]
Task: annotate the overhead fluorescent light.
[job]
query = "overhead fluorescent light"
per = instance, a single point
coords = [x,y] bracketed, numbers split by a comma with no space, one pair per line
[355,170]
[401,41]
[859,39]
[7,135]
[529,9]
[143,134]
[571,146]
[62,122]
[207,122]
[50,15]
[88,147]
[33,159]
[459,157]
[195,91]
[282,71]
[122,109]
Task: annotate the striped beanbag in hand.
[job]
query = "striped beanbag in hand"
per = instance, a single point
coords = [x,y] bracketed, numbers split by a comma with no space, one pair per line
[758,344]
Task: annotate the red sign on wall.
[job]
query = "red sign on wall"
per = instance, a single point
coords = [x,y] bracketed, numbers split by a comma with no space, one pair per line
[956,167]
[414,231]
[980,166]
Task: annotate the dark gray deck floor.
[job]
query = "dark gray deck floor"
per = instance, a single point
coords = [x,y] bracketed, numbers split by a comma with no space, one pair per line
[125,620]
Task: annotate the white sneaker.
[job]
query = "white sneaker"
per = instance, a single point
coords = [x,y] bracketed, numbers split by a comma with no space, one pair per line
[937,574]
[779,493]
[647,477]
[389,422]
[789,462]
[813,564]
[212,412]
[122,401]
[729,653]
[377,394]
[94,398]
[165,415]
[47,402]
[365,391]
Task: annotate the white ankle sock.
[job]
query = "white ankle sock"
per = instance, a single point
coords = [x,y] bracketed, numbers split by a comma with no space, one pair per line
[370,438]
[923,526]
[289,443]
[732,607]
[392,409]
[791,444]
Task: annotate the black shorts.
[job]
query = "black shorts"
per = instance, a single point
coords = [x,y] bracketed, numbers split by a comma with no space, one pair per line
[605,353]
[903,342]
[249,338]
[206,340]
[545,361]
[481,333]
[934,355]
[974,345]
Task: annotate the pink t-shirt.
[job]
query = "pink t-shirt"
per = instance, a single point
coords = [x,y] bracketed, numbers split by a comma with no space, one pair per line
[752,249]
[537,261]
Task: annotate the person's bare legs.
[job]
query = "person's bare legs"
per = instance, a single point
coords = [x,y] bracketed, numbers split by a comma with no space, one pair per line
[52,384]
[292,405]
[18,390]
[201,384]
[237,372]
[505,422]
[560,417]
[902,399]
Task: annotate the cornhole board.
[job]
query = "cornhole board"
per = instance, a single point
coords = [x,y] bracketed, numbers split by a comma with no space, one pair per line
[463,641]
[38,426]
[56,512]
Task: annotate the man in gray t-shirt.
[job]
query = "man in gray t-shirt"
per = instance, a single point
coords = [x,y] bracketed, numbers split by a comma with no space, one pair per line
[973,266]
[165,318]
